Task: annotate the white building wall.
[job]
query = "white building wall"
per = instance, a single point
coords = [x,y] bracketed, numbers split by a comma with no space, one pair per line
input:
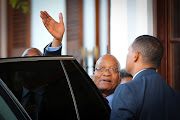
[103,27]
[40,37]
[89,31]
[129,19]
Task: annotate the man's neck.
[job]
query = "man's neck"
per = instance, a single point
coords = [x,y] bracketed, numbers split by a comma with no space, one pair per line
[140,68]
[105,94]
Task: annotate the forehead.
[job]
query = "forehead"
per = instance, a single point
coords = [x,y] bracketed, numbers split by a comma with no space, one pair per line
[108,61]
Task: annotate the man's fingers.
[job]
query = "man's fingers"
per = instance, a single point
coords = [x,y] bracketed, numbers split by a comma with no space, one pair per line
[60,18]
[48,16]
[49,22]
[48,19]
[46,24]
[45,18]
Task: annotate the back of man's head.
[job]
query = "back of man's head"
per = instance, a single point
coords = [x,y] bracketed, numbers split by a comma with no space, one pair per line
[150,48]
[32,52]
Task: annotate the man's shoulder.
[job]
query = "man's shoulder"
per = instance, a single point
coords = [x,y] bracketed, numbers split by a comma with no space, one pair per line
[147,73]
[127,86]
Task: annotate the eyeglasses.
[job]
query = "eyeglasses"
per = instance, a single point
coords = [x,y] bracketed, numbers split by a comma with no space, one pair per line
[112,70]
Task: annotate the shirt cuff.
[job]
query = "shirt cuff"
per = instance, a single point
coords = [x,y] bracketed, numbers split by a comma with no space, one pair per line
[52,49]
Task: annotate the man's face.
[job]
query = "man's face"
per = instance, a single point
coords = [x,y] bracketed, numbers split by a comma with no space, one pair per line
[106,80]
[129,59]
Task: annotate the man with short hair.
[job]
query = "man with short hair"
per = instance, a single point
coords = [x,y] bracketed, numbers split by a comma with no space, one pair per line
[32,52]
[106,76]
[147,96]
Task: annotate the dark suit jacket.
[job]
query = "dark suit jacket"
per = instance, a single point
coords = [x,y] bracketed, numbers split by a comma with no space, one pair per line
[146,97]
[54,53]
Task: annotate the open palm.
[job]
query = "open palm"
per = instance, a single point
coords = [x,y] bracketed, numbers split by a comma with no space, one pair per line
[55,29]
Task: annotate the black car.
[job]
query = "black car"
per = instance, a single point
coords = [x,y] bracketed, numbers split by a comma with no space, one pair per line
[49,88]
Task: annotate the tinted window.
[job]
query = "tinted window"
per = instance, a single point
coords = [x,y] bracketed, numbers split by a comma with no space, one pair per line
[10,108]
[54,87]
[5,111]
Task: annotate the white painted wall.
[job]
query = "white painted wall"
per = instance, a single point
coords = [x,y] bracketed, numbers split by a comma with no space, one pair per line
[118,26]
[129,19]
[89,28]
[103,27]
[40,37]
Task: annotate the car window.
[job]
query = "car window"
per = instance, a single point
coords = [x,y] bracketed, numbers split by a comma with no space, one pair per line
[5,111]
[54,87]
[10,106]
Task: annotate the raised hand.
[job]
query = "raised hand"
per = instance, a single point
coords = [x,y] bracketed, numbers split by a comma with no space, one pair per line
[55,29]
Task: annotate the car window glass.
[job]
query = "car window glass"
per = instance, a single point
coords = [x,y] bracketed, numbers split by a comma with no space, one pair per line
[84,86]
[5,111]
[43,89]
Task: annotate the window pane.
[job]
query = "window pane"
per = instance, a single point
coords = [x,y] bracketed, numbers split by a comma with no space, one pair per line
[5,111]
[43,88]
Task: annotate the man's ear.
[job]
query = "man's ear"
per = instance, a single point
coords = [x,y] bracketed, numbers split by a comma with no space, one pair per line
[93,76]
[136,56]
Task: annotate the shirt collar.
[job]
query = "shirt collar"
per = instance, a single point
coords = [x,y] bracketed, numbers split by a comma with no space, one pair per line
[37,91]
[138,73]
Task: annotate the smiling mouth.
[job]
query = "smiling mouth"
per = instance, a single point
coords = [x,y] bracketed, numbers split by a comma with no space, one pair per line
[106,80]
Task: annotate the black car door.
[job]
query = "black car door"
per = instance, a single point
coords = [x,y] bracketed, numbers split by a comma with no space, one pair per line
[54,88]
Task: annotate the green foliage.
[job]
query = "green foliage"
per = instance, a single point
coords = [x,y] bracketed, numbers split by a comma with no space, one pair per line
[20,4]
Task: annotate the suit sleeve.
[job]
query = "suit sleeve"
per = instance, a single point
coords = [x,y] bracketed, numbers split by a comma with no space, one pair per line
[124,106]
[52,53]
